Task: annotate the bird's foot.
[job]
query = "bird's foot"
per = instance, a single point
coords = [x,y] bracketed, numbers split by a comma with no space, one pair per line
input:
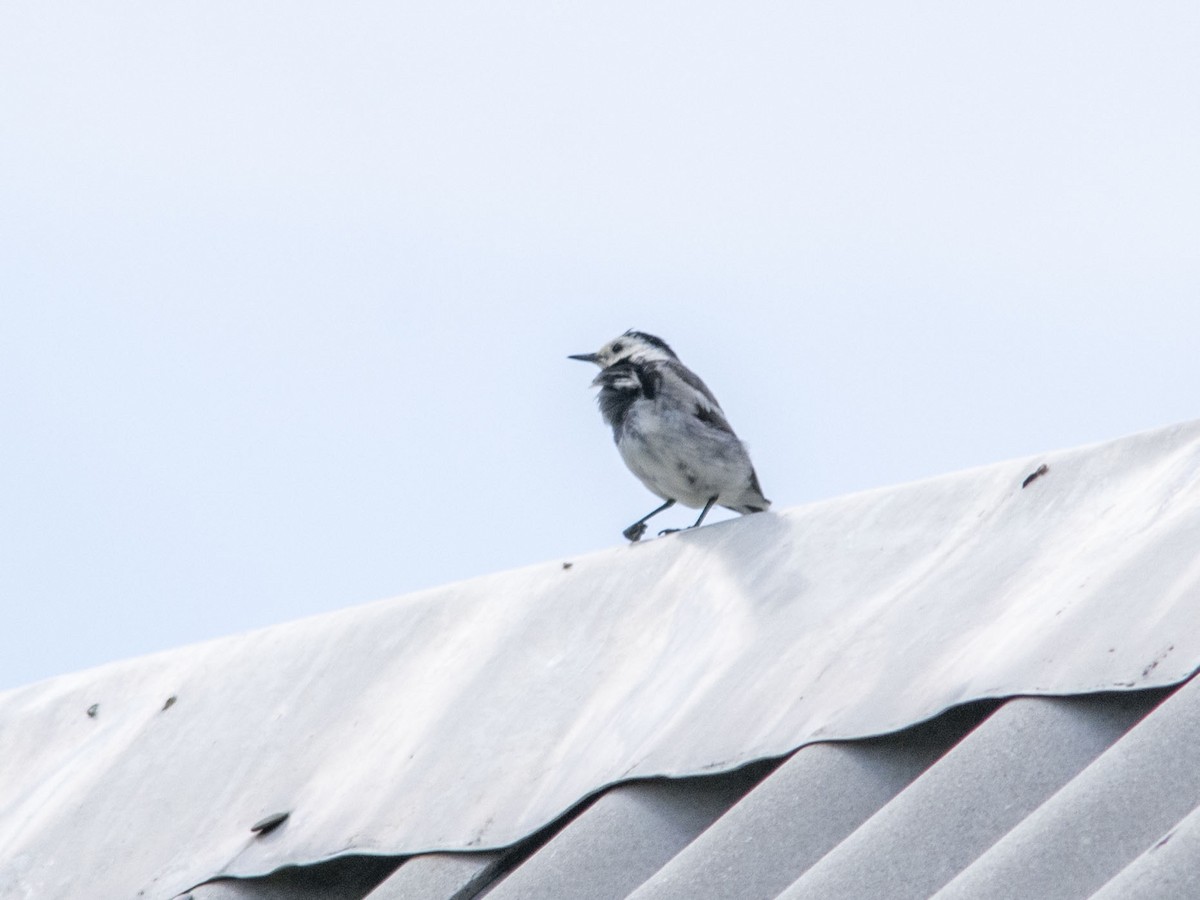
[669,531]
[635,531]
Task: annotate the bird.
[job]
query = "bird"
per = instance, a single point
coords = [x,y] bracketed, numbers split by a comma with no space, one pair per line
[671,431]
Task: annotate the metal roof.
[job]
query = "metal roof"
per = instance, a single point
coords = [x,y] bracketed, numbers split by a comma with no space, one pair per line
[521,724]
[1049,797]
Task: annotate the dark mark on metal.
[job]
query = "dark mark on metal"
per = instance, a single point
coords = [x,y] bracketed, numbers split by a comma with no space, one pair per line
[92,710]
[270,823]
[1154,663]
[170,702]
[568,565]
[1041,470]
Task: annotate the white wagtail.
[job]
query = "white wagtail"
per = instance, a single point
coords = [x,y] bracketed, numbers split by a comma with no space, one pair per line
[670,430]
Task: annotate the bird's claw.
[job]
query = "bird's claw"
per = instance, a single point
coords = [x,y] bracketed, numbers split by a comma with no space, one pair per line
[669,531]
[635,531]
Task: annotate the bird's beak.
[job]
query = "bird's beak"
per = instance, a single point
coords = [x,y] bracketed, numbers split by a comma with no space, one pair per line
[586,357]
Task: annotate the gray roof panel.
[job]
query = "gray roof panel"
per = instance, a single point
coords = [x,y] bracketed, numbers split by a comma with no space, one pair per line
[963,804]
[440,876]
[1169,868]
[624,837]
[1102,820]
[798,814]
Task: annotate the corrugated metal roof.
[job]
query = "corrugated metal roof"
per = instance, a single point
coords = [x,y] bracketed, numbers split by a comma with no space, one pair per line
[535,709]
[1047,797]
[1069,797]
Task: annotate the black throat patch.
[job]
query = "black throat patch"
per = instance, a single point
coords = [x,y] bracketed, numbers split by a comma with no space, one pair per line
[622,385]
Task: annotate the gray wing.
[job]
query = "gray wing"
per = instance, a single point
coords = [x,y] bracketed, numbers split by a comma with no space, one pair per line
[695,393]
[690,378]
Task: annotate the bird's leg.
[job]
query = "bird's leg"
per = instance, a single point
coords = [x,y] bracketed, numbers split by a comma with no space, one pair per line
[703,513]
[635,531]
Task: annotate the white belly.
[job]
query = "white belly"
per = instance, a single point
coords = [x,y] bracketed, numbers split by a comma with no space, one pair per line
[682,459]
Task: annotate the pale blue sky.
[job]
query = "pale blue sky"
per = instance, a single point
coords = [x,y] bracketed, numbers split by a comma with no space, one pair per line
[288,289]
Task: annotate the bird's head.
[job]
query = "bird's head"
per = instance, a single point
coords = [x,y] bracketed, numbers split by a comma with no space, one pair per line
[632,346]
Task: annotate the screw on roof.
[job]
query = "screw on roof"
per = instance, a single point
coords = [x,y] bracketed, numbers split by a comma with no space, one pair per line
[1034,476]
[270,823]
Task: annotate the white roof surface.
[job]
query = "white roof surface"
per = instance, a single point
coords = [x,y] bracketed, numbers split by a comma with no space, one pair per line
[469,716]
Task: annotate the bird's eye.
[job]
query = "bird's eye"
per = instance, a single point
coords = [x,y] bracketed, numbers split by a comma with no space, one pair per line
[617,348]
